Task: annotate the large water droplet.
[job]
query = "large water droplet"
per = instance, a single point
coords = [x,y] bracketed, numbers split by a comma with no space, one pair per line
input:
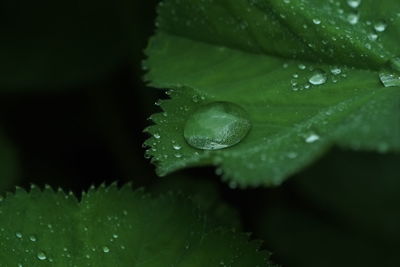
[217,125]
[389,79]
[354,3]
[41,256]
[318,77]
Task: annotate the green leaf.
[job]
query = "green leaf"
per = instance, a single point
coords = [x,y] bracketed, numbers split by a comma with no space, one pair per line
[205,194]
[115,227]
[262,55]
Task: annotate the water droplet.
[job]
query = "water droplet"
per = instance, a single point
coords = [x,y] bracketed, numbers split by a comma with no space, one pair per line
[318,77]
[41,256]
[312,138]
[354,3]
[217,125]
[373,36]
[157,136]
[176,147]
[18,235]
[336,70]
[33,238]
[353,18]
[302,66]
[380,26]
[106,249]
[316,21]
[389,79]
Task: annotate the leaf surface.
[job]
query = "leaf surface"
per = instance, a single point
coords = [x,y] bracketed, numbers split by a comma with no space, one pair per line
[115,227]
[262,56]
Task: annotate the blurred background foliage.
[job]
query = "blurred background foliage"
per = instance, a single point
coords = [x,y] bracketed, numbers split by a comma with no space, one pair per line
[73,107]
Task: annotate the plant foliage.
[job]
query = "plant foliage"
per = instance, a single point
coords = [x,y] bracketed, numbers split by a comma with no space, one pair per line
[306,71]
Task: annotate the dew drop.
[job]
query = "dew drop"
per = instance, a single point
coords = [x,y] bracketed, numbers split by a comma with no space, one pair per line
[41,256]
[389,79]
[217,125]
[372,36]
[336,70]
[302,67]
[316,21]
[18,235]
[353,18]
[380,26]
[312,138]
[106,249]
[177,147]
[354,3]
[33,238]
[318,77]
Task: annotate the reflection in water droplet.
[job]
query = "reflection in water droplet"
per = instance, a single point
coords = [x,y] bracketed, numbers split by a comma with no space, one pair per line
[41,256]
[318,77]
[217,125]
[389,79]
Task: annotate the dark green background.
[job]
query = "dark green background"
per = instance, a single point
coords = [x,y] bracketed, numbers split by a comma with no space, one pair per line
[73,106]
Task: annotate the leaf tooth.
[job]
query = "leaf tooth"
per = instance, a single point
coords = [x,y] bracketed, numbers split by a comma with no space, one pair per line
[20,190]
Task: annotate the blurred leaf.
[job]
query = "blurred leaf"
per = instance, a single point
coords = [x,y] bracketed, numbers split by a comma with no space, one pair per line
[362,190]
[344,212]
[115,227]
[302,239]
[306,75]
